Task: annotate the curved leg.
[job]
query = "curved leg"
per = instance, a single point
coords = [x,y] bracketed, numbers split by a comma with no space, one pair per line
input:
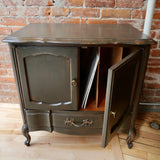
[25,132]
[132,134]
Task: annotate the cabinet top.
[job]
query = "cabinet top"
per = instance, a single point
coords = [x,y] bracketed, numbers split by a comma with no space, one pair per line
[79,34]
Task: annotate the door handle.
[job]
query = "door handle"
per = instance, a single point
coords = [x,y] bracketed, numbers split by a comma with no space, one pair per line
[74,83]
[113,114]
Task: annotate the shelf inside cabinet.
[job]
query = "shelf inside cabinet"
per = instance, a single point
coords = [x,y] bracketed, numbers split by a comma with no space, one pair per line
[108,56]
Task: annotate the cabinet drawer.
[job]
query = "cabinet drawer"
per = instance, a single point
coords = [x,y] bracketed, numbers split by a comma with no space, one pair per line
[78,122]
[38,120]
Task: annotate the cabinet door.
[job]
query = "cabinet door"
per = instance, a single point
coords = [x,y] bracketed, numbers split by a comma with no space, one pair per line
[49,77]
[119,95]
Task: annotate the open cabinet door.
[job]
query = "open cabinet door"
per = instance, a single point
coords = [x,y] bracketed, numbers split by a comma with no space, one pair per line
[121,84]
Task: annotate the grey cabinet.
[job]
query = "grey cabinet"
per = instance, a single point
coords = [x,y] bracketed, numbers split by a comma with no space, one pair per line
[51,66]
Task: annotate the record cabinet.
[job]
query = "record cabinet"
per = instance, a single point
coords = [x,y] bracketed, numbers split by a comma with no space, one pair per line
[54,67]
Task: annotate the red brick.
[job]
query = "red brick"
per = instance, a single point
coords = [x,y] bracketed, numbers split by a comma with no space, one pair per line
[3,86]
[8,93]
[76,3]
[158,34]
[5,65]
[4,12]
[10,72]
[12,2]
[60,12]
[46,11]
[15,100]
[39,2]
[55,11]
[7,57]
[150,99]
[5,99]
[155,53]
[153,46]
[25,11]
[101,21]
[85,12]
[156,14]
[138,14]
[137,24]
[3,72]
[7,80]
[4,48]
[129,3]
[154,62]
[153,34]
[10,21]
[2,57]
[16,28]
[157,92]
[5,30]
[147,77]
[71,20]
[155,25]
[1,38]
[152,85]
[157,4]
[148,92]
[154,70]
[100,3]
[12,87]
[116,13]
[41,20]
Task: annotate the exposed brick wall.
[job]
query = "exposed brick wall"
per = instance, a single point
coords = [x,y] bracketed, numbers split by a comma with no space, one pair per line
[15,14]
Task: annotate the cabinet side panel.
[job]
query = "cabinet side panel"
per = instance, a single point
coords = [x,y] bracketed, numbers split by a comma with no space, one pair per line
[14,60]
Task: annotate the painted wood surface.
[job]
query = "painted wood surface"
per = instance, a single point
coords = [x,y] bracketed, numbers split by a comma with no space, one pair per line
[80,34]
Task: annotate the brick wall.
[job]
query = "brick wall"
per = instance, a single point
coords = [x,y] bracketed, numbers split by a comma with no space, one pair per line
[15,14]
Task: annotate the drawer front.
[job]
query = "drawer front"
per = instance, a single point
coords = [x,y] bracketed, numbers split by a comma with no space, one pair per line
[77,122]
[38,120]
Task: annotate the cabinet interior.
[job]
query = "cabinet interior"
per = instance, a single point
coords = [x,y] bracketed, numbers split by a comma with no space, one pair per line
[108,56]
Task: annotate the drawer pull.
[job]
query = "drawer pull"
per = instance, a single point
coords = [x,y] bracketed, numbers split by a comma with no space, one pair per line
[114,114]
[86,122]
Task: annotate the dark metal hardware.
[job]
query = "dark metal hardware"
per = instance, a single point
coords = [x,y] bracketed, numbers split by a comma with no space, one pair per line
[85,122]
[74,83]
[114,114]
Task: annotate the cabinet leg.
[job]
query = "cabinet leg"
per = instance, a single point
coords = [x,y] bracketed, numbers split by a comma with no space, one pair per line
[130,138]
[25,132]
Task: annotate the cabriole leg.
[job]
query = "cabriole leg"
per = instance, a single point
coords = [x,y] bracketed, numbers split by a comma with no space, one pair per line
[130,138]
[25,132]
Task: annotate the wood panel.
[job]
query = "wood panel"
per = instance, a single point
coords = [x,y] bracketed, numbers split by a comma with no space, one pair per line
[80,34]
